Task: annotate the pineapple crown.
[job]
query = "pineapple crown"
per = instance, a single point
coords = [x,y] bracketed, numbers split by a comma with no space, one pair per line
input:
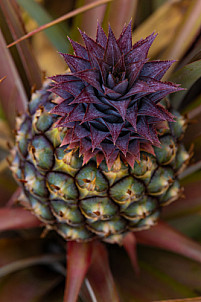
[109,101]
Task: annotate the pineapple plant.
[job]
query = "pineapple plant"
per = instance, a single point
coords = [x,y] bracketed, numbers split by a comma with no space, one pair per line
[98,154]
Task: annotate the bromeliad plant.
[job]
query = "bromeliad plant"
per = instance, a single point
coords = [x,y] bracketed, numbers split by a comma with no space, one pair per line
[98,153]
[85,159]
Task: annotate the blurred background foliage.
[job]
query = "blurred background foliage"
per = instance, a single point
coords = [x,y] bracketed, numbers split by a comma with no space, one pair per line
[37,266]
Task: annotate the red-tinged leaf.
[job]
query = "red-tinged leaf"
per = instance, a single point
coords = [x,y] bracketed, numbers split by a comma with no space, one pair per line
[11,88]
[129,243]
[100,277]
[26,63]
[165,237]
[14,197]
[78,261]
[12,219]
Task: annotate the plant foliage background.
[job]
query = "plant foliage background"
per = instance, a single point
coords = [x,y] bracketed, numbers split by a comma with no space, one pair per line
[32,264]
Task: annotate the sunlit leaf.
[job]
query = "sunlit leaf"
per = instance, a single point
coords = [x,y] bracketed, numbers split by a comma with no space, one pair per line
[163,21]
[55,34]
[60,19]
[12,27]
[185,33]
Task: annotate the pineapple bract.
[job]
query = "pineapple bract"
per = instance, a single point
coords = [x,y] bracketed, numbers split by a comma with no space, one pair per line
[97,156]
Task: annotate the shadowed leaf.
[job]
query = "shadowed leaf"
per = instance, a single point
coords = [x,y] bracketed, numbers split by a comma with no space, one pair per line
[100,277]
[12,219]
[165,237]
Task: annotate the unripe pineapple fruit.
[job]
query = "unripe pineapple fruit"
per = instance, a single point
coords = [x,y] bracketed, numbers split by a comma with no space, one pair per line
[96,155]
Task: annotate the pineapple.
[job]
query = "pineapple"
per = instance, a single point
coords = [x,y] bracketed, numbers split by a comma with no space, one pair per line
[96,154]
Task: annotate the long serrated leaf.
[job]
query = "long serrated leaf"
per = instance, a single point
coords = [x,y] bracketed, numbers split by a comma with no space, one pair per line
[165,237]
[12,219]
[99,276]
[60,19]
[55,34]
[12,94]
[78,261]
[12,27]
[186,76]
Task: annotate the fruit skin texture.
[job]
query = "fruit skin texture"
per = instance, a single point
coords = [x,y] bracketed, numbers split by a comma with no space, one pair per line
[86,201]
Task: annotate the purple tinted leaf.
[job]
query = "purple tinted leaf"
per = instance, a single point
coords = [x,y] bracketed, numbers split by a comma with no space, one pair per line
[97,137]
[115,130]
[131,115]
[76,63]
[92,47]
[91,76]
[121,106]
[86,96]
[122,143]
[91,113]
[125,39]
[79,50]
[101,37]
[112,52]
[156,69]
[140,50]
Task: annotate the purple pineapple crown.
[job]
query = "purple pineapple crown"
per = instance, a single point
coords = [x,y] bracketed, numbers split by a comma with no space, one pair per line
[109,101]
